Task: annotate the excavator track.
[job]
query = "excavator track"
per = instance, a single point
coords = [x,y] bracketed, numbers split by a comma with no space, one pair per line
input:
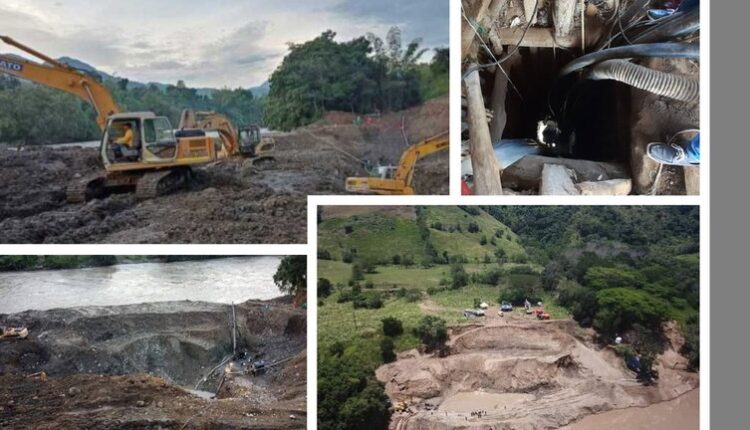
[83,189]
[153,184]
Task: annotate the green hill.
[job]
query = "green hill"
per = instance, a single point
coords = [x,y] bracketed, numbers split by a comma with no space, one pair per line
[377,235]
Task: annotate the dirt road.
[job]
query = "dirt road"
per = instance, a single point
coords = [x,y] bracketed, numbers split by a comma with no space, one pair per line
[130,367]
[227,202]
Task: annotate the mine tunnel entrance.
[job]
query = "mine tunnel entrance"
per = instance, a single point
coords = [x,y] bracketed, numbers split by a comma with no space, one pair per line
[594,112]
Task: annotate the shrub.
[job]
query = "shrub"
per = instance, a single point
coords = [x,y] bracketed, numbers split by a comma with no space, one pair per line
[357,272]
[369,285]
[392,326]
[413,295]
[691,348]
[324,254]
[396,259]
[347,257]
[431,332]
[459,277]
[370,300]
[324,287]
[386,350]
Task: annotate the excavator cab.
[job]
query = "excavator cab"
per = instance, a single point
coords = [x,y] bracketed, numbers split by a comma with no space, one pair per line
[254,146]
[153,139]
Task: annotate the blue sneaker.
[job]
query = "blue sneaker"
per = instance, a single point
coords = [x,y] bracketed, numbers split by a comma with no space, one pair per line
[670,154]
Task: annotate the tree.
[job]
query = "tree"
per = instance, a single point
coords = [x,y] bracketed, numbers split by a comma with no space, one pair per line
[431,332]
[459,277]
[324,287]
[620,308]
[392,326]
[291,276]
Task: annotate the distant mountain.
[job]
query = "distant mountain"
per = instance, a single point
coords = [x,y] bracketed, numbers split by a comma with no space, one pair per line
[258,91]
[262,90]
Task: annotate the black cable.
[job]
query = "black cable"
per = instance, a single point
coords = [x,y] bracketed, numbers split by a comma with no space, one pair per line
[665,50]
[510,54]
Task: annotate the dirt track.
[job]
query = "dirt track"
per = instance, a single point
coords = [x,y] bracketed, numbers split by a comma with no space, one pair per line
[523,374]
[129,367]
[227,202]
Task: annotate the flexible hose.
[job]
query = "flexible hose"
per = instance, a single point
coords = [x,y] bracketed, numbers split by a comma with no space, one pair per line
[678,24]
[663,50]
[679,87]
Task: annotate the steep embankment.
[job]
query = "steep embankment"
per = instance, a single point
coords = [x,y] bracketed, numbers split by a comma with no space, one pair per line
[128,367]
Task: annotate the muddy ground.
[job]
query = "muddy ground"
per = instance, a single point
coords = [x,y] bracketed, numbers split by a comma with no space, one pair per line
[131,367]
[521,374]
[227,202]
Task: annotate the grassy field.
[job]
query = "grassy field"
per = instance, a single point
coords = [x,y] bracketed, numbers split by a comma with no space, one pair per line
[469,243]
[376,237]
[392,276]
[360,330]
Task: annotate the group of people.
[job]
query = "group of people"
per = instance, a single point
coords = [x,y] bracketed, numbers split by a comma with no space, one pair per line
[479,414]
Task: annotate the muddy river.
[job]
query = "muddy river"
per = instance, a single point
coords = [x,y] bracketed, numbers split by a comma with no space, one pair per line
[221,281]
[678,414]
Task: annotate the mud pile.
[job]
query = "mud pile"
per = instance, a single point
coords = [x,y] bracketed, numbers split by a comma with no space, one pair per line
[227,202]
[524,375]
[130,367]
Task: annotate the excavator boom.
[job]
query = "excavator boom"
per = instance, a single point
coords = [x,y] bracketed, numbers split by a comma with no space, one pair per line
[401,181]
[57,75]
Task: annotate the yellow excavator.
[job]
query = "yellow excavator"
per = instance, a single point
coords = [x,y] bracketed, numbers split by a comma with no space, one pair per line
[159,158]
[397,180]
[246,141]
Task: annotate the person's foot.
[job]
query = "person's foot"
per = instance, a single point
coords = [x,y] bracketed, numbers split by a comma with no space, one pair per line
[671,154]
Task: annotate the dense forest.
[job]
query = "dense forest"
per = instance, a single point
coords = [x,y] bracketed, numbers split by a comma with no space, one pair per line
[624,271]
[364,75]
[12,263]
[33,114]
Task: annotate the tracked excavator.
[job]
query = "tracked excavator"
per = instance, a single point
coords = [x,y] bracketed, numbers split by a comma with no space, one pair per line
[246,141]
[159,159]
[397,180]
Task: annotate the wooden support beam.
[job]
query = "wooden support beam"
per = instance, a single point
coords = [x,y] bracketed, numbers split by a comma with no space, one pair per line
[612,187]
[692,180]
[528,9]
[525,173]
[484,164]
[563,14]
[499,98]
[538,37]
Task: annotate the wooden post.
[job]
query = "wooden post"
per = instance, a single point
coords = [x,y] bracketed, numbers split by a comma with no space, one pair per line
[499,99]
[528,10]
[485,165]
[563,15]
[234,331]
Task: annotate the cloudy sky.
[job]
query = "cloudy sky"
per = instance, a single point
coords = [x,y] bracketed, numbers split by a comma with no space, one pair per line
[206,43]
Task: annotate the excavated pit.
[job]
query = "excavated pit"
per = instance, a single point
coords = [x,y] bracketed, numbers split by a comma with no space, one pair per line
[524,375]
[159,352]
[600,129]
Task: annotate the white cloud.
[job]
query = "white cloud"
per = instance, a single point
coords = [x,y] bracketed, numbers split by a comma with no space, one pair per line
[219,43]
